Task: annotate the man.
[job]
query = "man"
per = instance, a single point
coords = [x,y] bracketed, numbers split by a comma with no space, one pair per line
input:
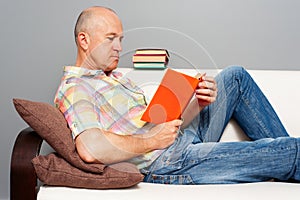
[103,111]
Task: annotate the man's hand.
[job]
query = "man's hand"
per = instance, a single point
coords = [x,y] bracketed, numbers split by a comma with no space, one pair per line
[207,91]
[163,135]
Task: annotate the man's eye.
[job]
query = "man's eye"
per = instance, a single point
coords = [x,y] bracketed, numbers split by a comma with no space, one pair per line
[112,38]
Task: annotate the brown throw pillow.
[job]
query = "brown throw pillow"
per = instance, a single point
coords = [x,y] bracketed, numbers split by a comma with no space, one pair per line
[54,170]
[51,125]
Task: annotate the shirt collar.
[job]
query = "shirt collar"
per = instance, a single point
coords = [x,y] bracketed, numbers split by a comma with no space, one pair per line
[81,71]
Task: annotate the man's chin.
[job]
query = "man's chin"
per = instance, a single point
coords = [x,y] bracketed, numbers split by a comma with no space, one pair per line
[111,67]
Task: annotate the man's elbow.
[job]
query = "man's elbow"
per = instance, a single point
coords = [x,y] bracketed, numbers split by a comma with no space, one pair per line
[89,158]
[84,154]
[94,147]
[91,150]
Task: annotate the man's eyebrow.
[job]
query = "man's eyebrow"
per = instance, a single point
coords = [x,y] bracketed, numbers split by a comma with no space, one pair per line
[114,34]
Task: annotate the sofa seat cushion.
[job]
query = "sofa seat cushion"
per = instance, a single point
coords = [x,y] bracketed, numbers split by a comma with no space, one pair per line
[151,191]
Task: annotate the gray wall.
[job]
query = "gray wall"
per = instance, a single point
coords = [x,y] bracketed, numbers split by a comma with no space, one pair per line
[37,40]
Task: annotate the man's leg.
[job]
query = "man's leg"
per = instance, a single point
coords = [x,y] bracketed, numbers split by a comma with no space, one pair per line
[240,98]
[189,160]
[227,162]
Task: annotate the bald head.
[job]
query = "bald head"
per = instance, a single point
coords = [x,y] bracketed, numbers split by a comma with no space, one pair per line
[98,35]
[91,17]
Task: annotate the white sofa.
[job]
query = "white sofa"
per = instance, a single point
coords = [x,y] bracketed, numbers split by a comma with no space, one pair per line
[281,87]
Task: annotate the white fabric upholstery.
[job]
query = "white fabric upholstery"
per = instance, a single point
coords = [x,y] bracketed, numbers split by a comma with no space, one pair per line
[148,191]
[282,89]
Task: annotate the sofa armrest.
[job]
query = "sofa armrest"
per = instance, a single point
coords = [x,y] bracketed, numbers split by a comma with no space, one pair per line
[23,179]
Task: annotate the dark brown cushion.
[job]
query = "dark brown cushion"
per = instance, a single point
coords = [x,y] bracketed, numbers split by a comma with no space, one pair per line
[51,125]
[54,170]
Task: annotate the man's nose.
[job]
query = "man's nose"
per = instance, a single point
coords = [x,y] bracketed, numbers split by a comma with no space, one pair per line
[117,45]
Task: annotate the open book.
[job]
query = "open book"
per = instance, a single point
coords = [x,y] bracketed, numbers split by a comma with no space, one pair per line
[171,97]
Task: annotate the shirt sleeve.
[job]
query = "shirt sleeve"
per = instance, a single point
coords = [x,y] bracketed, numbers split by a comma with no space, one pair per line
[76,102]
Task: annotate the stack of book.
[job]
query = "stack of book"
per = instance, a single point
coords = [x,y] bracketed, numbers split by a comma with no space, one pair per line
[150,59]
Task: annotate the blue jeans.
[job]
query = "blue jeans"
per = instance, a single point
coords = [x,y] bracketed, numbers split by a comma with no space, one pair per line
[197,156]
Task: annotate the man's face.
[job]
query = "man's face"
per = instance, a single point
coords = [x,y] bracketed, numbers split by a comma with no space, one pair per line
[105,45]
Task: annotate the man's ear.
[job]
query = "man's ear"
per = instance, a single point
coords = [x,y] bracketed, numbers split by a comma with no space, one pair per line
[83,40]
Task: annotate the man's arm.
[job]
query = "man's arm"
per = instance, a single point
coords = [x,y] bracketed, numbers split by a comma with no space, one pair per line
[95,145]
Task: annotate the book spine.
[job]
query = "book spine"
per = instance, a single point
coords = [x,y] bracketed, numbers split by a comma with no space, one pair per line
[152,54]
[152,51]
[150,67]
[150,59]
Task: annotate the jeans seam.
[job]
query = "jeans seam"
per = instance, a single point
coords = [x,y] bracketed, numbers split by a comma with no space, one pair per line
[224,155]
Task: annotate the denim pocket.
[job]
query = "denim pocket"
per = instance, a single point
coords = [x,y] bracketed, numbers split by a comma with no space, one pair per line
[171,179]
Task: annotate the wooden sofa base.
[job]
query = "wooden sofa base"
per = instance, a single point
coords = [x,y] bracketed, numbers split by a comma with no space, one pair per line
[23,179]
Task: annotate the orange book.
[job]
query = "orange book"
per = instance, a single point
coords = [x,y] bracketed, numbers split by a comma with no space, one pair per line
[171,97]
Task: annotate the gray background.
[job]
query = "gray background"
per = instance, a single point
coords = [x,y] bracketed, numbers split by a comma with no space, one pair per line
[37,40]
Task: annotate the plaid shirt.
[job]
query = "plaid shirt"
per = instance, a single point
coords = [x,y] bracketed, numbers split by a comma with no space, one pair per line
[90,99]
